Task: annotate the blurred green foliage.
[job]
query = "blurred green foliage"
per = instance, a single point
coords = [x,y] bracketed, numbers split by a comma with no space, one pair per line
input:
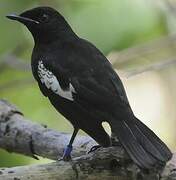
[109,24]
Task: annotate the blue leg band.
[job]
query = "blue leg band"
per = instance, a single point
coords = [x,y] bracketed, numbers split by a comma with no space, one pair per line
[68,150]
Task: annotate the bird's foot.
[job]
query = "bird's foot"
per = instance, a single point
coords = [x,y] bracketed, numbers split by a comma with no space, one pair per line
[94,148]
[67,154]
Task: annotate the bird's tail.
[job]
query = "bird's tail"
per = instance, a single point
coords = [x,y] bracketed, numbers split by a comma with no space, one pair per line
[141,143]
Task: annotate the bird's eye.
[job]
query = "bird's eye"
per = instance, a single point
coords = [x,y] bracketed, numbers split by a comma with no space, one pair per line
[44,18]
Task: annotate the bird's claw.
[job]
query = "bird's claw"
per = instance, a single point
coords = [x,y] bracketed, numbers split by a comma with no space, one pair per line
[94,148]
[67,154]
[67,158]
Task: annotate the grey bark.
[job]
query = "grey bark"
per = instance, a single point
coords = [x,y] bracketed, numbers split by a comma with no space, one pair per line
[23,136]
[20,135]
[104,164]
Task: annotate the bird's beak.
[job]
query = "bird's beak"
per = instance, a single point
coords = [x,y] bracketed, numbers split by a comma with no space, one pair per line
[21,19]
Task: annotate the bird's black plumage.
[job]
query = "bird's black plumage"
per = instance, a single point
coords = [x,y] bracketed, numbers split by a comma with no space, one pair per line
[81,84]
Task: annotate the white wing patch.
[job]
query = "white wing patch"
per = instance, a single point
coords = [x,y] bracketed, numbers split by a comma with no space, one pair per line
[51,82]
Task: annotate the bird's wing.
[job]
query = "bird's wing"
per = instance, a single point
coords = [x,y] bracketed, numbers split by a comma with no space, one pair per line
[88,76]
[100,84]
[79,88]
[108,94]
[88,89]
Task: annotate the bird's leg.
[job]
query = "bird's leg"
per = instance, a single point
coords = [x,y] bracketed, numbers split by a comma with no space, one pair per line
[114,142]
[68,149]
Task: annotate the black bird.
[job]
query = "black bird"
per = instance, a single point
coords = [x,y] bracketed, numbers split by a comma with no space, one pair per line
[81,84]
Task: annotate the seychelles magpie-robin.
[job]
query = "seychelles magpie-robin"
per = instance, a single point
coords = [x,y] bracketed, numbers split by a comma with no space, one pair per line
[81,84]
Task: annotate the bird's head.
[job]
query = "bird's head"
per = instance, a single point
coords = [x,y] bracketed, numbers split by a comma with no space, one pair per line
[45,23]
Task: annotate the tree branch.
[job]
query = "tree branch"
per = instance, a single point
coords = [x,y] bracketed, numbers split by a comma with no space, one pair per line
[11,59]
[20,135]
[153,55]
[104,164]
[23,136]
[17,83]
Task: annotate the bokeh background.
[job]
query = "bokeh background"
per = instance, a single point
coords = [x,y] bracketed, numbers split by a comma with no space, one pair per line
[137,36]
